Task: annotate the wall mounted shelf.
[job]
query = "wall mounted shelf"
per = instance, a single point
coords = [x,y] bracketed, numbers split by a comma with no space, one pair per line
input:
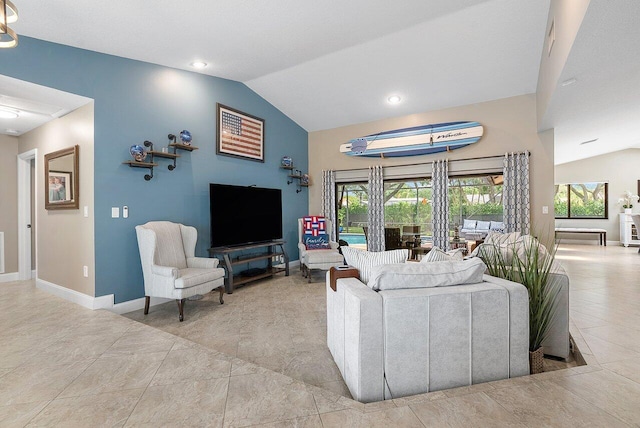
[296,177]
[160,154]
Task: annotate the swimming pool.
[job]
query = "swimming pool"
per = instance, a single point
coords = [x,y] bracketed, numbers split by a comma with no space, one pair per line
[353,238]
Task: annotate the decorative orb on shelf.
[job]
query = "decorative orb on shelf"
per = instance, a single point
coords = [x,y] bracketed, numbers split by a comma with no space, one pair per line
[138,153]
[304,179]
[185,137]
[287,161]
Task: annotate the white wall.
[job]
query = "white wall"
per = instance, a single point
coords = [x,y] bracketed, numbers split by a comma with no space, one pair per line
[620,170]
[9,200]
[567,16]
[65,238]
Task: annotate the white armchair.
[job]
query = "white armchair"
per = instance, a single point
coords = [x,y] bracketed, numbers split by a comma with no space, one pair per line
[317,259]
[169,265]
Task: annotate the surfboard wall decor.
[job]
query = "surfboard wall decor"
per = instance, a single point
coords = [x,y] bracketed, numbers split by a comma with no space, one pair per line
[419,140]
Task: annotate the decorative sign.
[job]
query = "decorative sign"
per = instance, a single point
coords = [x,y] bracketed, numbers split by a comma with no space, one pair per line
[419,140]
[239,134]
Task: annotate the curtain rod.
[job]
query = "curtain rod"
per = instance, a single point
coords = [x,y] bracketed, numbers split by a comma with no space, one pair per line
[423,163]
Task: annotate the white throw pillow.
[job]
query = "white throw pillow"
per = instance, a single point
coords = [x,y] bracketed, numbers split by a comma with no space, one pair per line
[498,238]
[364,261]
[483,225]
[469,224]
[526,246]
[488,250]
[425,275]
[437,255]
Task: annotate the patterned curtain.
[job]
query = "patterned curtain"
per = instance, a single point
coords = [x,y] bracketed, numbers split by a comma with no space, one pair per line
[375,236]
[515,192]
[440,214]
[329,200]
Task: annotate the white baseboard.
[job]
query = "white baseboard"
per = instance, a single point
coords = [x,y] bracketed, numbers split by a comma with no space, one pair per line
[8,277]
[135,304]
[90,302]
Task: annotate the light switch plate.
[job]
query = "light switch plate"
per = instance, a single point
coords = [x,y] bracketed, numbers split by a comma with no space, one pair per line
[125,212]
[115,212]
[545,210]
[86,211]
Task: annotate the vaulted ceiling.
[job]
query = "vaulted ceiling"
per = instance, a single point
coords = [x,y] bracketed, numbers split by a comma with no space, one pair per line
[333,63]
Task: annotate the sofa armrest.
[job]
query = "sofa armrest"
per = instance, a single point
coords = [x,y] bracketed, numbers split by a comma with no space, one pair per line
[166,271]
[518,325]
[354,337]
[334,245]
[202,262]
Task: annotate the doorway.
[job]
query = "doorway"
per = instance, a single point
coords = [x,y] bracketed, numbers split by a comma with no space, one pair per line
[26,198]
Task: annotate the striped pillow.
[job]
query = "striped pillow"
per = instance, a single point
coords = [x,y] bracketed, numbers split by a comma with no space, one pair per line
[497,238]
[364,261]
[437,255]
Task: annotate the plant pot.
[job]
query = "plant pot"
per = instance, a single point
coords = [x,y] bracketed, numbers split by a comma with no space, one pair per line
[627,210]
[536,361]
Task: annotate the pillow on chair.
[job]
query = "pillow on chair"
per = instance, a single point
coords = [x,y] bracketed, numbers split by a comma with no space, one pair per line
[364,261]
[315,233]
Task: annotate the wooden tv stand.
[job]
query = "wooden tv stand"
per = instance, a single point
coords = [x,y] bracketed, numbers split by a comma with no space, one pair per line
[271,249]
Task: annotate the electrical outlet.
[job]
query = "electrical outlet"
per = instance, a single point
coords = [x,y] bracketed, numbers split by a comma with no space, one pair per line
[115,212]
[545,210]
[85,271]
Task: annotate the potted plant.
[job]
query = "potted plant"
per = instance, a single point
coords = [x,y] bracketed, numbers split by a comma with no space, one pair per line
[627,201]
[528,263]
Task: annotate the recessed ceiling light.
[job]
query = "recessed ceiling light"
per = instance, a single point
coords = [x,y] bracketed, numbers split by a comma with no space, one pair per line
[198,64]
[569,82]
[589,141]
[394,99]
[6,113]
[12,131]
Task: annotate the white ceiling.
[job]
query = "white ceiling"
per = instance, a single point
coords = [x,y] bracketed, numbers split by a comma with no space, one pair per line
[604,103]
[36,104]
[333,63]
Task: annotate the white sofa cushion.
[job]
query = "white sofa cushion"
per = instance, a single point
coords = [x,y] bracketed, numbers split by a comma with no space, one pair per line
[497,225]
[482,226]
[364,261]
[426,275]
[469,224]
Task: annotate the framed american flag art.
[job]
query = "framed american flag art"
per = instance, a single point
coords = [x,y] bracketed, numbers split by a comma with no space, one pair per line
[239,134]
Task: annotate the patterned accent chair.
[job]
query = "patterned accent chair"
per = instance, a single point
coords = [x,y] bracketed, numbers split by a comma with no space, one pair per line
[317,259]
[169,265]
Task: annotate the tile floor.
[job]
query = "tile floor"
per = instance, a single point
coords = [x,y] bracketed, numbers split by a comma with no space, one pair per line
[63,365]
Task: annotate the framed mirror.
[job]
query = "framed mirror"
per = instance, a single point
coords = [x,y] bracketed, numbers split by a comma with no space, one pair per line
[61,179]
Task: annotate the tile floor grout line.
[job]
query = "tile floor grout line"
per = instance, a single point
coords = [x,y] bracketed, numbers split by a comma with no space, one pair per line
[589,401]
[145,389]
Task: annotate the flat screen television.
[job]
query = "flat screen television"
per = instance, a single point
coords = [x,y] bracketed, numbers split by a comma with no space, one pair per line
[241,214]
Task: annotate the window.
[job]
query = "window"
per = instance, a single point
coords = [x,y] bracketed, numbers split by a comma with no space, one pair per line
[475,198]
[352,210]
[581,200]
[408,203]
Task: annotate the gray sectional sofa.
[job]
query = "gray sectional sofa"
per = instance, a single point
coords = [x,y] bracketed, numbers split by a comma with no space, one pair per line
[396,342]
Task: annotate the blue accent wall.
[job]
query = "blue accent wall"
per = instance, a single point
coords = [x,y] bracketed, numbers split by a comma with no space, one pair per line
[137,101]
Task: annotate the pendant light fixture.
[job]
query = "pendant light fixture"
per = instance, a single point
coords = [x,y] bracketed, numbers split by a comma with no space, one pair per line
[8,15]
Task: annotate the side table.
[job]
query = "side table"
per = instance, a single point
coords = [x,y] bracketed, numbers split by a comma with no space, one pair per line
[461,243]
[336,273]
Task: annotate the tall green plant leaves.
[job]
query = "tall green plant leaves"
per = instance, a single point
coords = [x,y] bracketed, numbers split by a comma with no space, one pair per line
[530,264]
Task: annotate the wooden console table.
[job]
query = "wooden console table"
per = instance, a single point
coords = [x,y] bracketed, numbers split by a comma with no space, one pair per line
[269,249]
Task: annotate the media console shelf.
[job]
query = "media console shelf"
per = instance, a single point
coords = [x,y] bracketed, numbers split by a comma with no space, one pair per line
[269,249]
